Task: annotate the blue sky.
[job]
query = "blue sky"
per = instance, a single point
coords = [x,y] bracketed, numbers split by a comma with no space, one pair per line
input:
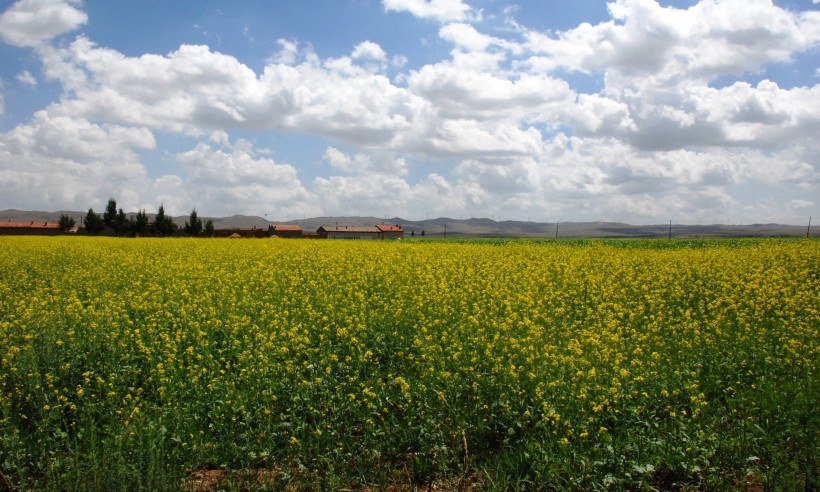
[633,110]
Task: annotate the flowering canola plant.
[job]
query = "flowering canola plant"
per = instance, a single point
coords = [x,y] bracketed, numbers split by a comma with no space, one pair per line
[124,364]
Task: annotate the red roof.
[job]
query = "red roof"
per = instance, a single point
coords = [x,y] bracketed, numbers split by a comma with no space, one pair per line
[390,228]
[287,227]
[29,225]
[349,229]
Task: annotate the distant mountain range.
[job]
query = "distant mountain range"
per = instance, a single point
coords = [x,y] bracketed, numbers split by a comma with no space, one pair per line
[476,227]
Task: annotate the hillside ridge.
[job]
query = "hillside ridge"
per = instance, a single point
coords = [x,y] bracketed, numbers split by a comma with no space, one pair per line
[474,227]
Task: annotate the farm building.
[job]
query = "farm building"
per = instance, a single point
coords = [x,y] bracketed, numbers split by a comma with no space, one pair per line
[391,231]
[348,232]
[254,232]
[286,231]
[360,232]
[29,228]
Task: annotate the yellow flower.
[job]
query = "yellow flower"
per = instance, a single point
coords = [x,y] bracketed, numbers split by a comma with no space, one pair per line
[404,385]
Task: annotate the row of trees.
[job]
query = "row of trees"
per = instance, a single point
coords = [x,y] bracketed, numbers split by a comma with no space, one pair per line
[120,223]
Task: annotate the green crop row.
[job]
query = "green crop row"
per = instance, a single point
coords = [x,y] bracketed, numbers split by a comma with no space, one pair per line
[183,364]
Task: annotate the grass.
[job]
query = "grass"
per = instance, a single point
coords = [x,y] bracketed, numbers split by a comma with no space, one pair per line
[492,365]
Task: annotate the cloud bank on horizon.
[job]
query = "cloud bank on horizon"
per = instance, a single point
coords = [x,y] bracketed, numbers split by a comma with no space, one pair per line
[633,110]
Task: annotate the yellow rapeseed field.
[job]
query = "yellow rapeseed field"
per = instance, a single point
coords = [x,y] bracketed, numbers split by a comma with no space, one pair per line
[131,363]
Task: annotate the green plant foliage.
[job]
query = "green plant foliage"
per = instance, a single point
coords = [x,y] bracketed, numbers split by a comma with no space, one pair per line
[194,224]
[93,223]
[66,222]
[326,365]
[209,228]
[164,224]
[110,215]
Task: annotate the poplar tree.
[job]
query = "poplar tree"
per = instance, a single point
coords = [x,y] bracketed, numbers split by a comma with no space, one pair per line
[164,224]
[209,228]
[141,223]
[194,224]
[110,215]
[122,223]
[93,222]
[66,222]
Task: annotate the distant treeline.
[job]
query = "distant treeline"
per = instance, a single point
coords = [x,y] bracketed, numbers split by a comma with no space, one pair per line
[117,221]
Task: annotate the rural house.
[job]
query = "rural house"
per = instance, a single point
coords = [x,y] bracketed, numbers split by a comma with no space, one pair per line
[286,231]
[29,228]
[360,232]
[348,232]
[391,231]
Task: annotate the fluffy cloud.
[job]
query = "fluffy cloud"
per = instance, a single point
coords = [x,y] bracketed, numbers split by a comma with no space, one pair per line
[69,163]
[458,92]
[466,106]
[450,108]
[57,162]
[646,43]
[596,115]
[75,139]
[657,64]
[369,50]
[370,182]
[500,125]
[26,78]
[236,179]
[613,180]
[190,85]
[440,10]
[468,38]
[764,115]
[34,22]
[194,90]
[379,184]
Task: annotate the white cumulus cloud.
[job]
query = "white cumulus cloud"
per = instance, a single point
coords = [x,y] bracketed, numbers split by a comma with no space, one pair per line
[219,180]
[34,22]
[675,115]
[58,162]
[648,43]
[440,10]
[26,78]
[369,50]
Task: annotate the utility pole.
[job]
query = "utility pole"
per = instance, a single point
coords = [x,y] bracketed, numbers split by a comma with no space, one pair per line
[808,229]
[670,229]
[556,228]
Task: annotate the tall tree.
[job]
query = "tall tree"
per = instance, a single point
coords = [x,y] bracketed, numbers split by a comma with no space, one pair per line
[164,224]
[122,223]
[110,215]
[141,223]
[93,222]
[66,222]
[209,228]
[194,224]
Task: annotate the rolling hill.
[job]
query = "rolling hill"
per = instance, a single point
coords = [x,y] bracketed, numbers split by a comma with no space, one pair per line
[478,227]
